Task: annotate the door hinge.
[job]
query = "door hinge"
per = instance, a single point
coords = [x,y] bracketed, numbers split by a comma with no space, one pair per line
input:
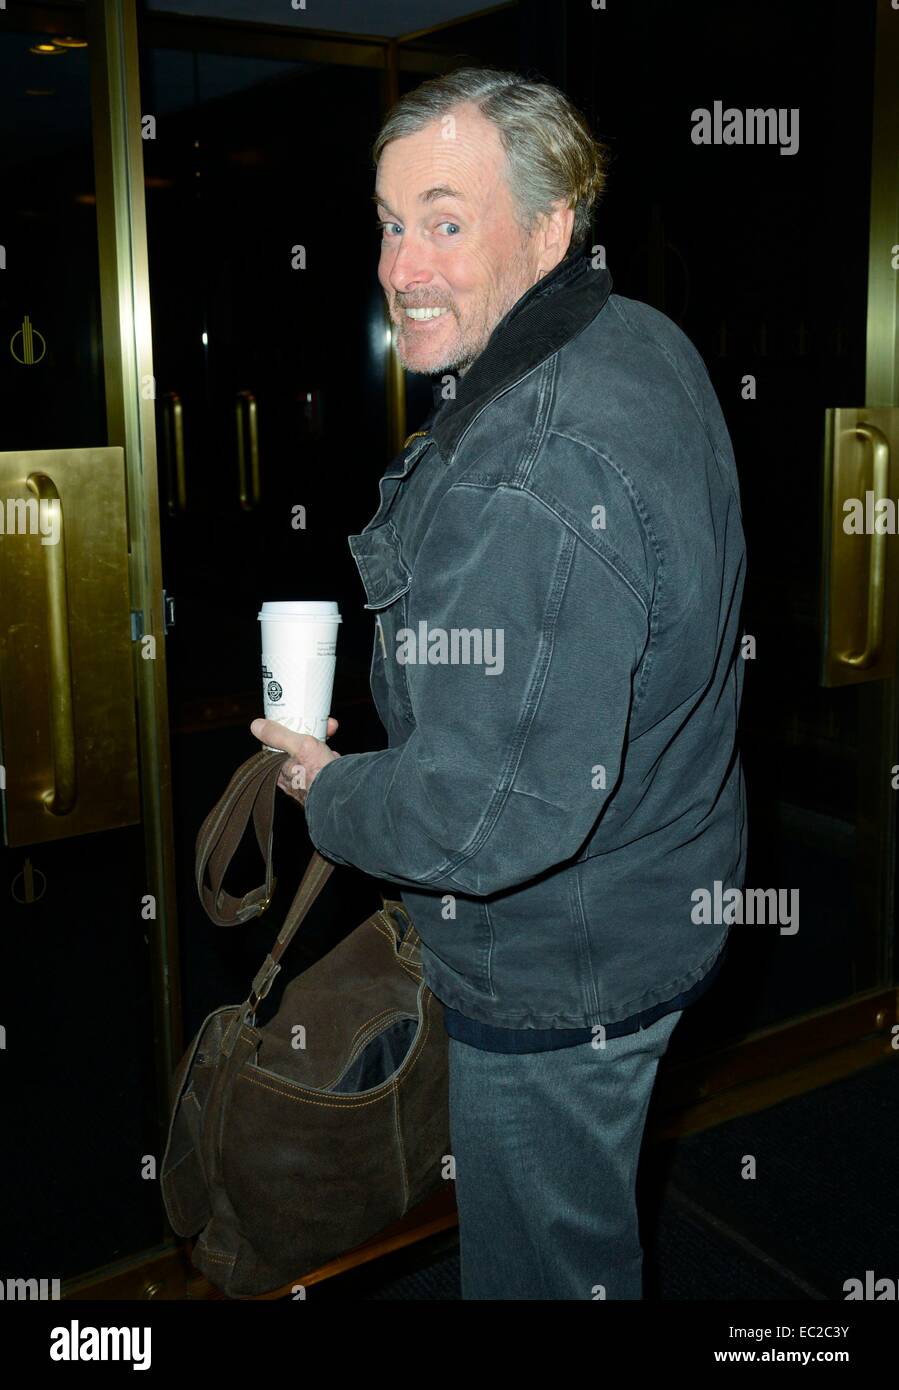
[168,617]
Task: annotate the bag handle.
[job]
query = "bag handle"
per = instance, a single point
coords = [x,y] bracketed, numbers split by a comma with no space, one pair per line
[252,791]
[221,834]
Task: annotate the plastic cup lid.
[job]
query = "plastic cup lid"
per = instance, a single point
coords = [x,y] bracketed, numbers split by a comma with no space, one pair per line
[320,609]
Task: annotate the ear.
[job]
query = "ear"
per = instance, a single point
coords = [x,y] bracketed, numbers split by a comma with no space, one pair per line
[555,236]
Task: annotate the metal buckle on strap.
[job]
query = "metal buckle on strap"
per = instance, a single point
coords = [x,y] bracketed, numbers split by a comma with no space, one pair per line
[266,901]
[253,910]
[264,980]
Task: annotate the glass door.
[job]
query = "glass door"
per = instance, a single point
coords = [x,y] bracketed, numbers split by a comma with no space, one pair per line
[270,349]
[269,345]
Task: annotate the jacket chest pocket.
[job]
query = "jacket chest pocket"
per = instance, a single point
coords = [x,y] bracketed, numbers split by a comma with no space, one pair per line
[386,579]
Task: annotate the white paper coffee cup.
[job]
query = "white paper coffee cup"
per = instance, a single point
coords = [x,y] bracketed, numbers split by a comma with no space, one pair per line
[299,656]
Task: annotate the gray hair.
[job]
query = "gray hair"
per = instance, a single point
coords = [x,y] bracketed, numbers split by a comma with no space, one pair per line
[550,150]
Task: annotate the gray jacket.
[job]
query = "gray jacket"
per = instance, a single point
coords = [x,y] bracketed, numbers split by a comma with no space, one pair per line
[556,570]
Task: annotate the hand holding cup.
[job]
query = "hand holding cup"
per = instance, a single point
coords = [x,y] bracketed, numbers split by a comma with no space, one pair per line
[310,754]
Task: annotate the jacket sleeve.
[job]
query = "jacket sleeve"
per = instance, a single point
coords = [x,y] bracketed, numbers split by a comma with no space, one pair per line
[512,759]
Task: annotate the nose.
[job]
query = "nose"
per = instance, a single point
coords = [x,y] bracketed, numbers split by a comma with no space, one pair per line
[406,263]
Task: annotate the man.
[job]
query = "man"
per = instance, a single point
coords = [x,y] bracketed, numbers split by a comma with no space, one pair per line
[556,570]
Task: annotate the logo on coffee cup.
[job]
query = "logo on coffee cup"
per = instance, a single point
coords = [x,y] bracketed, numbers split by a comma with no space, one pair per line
[274,691]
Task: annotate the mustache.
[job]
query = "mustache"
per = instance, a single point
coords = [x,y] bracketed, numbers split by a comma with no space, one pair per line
[402,304]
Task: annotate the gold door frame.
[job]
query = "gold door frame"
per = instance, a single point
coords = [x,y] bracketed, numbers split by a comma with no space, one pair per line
[131,424]
[879,701]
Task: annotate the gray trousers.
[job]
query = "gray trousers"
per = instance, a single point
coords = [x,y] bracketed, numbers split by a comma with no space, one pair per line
[546,1146]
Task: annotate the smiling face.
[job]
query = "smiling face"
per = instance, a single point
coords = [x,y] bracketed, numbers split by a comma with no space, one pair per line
[454,259]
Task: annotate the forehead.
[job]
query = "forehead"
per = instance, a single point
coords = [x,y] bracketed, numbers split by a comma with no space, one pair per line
[461,150]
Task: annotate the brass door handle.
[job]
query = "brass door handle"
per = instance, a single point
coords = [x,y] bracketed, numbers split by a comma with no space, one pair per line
[173,450]
[60,798]
[860,567]
[877,556]
[247,442]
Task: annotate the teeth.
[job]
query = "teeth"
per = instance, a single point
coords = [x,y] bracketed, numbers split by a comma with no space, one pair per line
[425,313]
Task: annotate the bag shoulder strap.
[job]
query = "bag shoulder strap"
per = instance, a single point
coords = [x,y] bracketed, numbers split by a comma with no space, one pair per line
[251,791]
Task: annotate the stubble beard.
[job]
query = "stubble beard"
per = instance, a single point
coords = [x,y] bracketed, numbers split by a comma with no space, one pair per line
[474,337]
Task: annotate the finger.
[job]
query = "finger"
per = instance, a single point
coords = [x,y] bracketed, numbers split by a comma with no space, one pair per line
[268,731]
[276,735]
[333,726]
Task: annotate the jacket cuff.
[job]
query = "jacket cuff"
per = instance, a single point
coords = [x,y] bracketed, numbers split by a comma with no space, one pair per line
[316,809]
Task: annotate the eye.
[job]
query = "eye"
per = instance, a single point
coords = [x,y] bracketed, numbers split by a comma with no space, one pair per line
[450,224]
[382,226]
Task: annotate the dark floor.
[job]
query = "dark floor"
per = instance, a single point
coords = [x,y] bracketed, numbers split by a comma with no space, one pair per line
[823,1207]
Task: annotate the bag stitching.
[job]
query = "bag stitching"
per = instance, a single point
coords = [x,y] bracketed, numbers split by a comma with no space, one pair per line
[374,1019]
[400,1145]
[358,1039]
[346,1105]
[217,1256]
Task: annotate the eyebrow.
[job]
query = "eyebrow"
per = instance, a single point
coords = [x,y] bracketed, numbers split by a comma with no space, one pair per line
[430,195]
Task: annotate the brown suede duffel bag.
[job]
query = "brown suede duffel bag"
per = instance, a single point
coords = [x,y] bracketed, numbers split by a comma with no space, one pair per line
[293,1142]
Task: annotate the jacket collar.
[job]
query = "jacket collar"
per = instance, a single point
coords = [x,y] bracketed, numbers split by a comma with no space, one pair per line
[543,320]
